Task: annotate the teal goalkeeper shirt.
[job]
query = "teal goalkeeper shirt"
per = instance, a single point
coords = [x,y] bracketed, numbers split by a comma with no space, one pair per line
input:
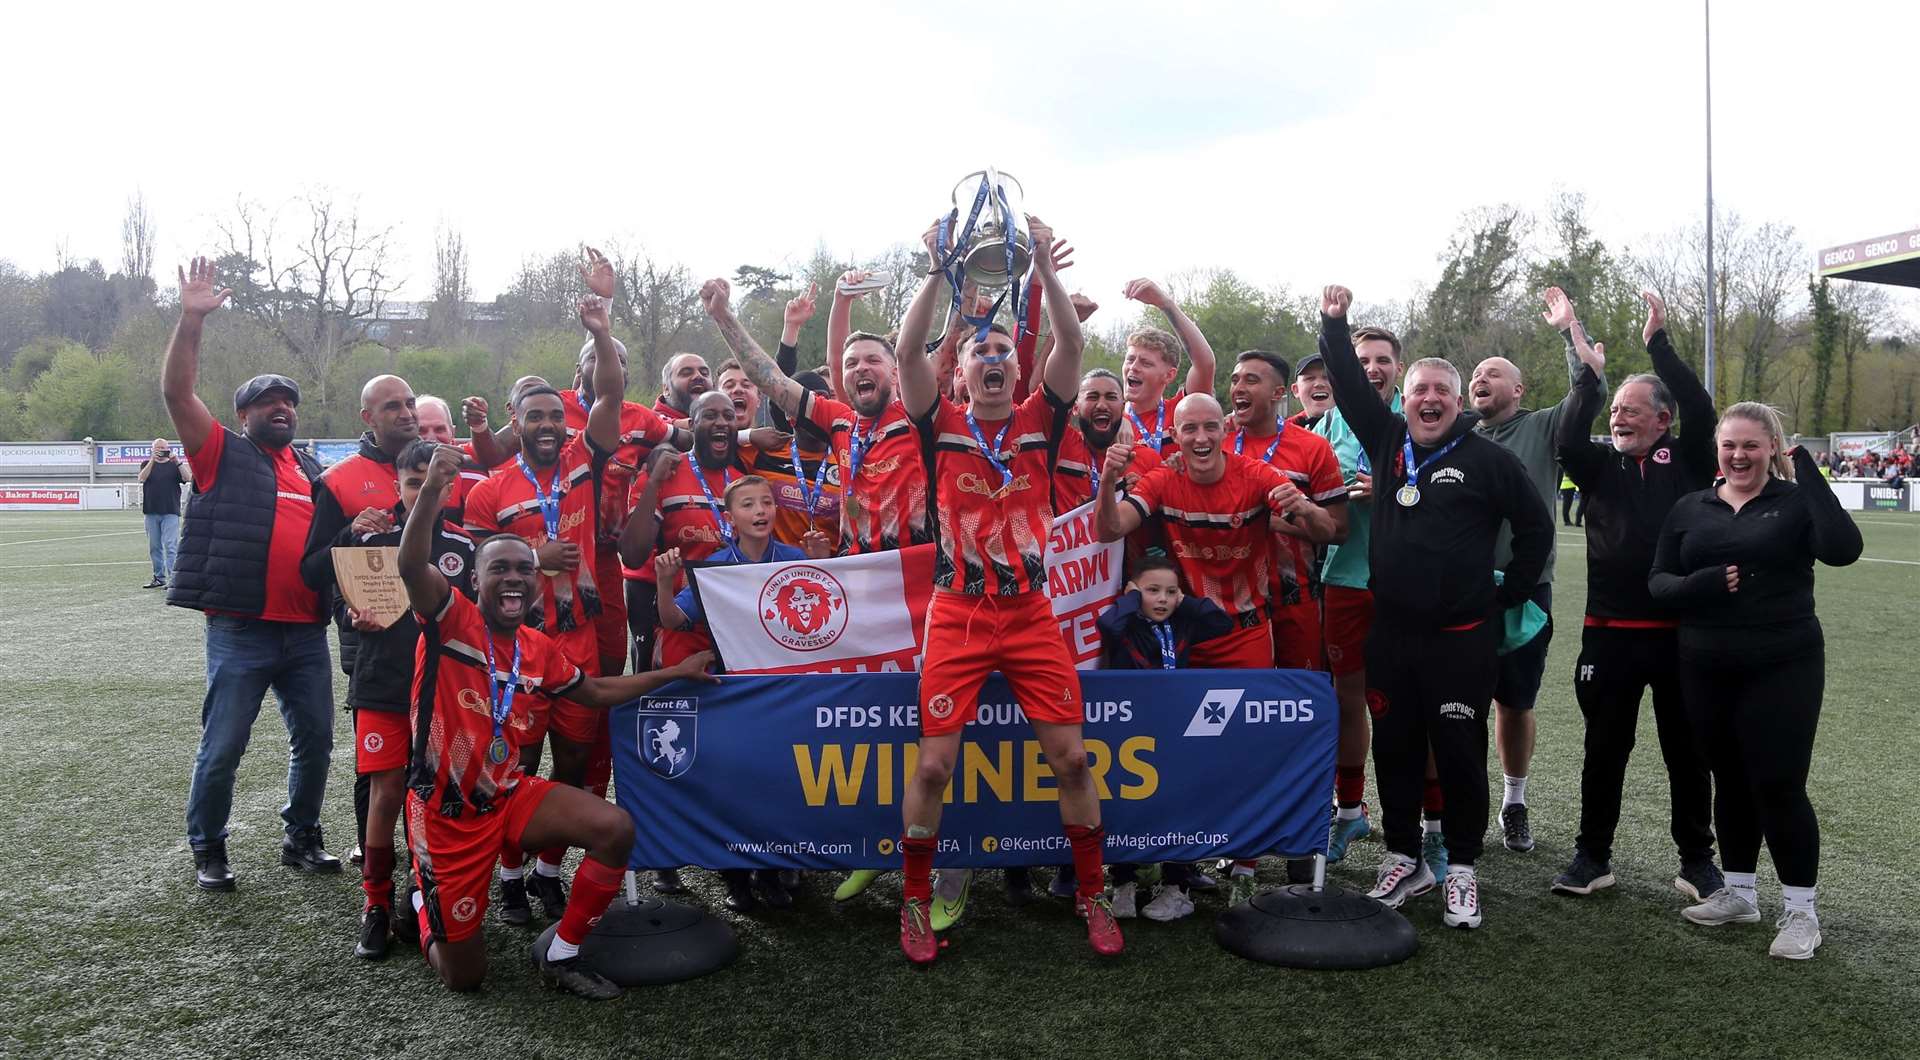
[1347,564]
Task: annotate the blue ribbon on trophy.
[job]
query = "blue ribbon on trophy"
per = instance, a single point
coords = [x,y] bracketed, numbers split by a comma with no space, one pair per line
[992,248]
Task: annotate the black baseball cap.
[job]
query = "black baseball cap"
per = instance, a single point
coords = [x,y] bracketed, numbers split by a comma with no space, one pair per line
[1307,362]
[256,388]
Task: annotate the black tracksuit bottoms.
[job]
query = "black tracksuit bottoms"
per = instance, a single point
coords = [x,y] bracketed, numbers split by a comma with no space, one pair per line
[1432,688]
[1616,668]
[1756,718]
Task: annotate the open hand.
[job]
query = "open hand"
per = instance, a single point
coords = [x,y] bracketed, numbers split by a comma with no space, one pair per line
[694,668]
[199,294]
[800,307]
[816,544]
[597,271]
[1656,314]
[593,315]
[1559,311]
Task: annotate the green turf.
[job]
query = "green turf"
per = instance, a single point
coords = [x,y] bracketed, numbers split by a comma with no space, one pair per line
[109,949]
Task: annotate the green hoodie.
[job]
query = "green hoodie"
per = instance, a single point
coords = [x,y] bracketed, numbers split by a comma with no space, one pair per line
[1347,564]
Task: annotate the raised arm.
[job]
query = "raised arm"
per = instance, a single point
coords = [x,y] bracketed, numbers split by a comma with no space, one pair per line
[775,384]
[919,386]
[199,295]
[609,376]
[426,586]
[839,326]
[1114,519]
[1577,452]
[1200,375]
[1836,537]
[1360,405]
[643,524]
[487,450]
[1063,361]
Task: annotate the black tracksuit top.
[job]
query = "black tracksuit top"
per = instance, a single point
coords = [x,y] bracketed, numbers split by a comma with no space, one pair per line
[1432,564]
[382,674]
[1773,539]
[1628,499]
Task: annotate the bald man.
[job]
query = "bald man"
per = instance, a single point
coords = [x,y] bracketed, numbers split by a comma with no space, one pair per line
[358,495]
[1496,391]
[161,476]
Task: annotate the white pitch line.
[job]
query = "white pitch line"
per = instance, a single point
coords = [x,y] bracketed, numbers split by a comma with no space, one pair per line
[61,540]
[104,563]
[1863,559]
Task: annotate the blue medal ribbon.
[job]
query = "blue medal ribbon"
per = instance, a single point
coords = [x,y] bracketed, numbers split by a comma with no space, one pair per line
[949,262]
[1279,432]
[1409,494]
[1158,436]
[719,513]
[857,449]
[811,496]
[549,501]
[1164,634]
[501,699]
[992,455]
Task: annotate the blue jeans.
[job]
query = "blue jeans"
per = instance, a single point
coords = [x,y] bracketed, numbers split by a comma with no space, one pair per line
[163,544]
[246,657]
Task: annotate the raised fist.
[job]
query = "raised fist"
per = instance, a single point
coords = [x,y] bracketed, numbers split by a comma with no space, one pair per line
[1335,300]
[714,295]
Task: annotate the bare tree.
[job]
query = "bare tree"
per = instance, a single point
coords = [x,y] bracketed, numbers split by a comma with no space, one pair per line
[1863,308]
[660,304]
[1765,268]
[316,280]
[452,287]
[136,238]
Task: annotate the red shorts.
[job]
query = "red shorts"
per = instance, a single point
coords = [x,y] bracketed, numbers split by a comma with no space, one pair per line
[1250,648]
[539,713]
[677,644]
[1297,641]
[571,720]
[453,857]
[1349,615]
[610,629]
[969,637]
[382,740]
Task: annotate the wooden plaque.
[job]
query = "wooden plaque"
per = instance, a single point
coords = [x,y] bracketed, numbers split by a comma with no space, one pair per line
[370,581]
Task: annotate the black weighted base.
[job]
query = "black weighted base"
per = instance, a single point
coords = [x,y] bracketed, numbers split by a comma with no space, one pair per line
[1298,927]
[653,942]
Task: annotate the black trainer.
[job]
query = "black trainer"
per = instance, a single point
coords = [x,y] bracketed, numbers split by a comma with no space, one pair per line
[740,896]
[155,584]
[570,975]
[772,890]
[1019,887]
[406,926]
[667,881]
[210,869]
[374,934]
[551,891]
[514,907]
[1513,820]
[1699,877]
[1584,876]
[305,850]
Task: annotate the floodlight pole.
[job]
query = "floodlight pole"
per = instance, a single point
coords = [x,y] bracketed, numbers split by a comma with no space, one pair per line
[1707,10]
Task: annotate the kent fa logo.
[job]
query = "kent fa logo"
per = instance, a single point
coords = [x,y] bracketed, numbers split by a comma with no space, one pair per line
[669,731]
[1211,716]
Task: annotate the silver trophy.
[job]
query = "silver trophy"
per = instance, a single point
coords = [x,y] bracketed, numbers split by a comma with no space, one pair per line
[984,241]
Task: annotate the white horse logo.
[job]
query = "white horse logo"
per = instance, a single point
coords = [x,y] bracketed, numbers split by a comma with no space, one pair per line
[662,747]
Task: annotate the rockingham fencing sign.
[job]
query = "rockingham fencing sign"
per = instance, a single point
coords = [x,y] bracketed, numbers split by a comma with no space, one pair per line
[43,454]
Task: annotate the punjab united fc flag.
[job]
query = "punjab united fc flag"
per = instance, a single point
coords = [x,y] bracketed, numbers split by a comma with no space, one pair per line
[867,613]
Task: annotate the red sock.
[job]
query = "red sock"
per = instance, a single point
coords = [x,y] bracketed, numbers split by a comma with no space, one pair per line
[555,856]
[1088,846]
[1432,802]
[594,886]
[1349,785]
[600,768]
[916,861]
[376,875]
[512,857]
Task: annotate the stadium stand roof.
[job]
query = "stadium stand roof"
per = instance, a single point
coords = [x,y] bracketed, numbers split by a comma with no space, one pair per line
[1891,259]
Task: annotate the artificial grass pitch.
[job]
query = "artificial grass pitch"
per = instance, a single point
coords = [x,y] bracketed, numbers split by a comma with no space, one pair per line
[110,950]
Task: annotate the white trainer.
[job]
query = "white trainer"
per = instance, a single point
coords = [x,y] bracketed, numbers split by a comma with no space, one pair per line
[1400,878]
[1463,899]
[1126,901]
[1799,935]
[1169,903]
[1722,907]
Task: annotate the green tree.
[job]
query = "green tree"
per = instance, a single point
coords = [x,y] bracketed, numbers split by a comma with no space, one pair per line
[1826,334]
[81,395]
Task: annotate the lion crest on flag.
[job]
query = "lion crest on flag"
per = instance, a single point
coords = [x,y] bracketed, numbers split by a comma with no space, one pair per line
[803,607]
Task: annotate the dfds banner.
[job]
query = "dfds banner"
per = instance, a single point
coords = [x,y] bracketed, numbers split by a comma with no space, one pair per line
[807,771]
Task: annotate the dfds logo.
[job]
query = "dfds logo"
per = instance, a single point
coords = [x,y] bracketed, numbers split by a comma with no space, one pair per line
[1217,708]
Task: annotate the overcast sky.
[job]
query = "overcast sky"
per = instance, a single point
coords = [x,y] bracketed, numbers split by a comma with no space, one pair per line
[1296,143]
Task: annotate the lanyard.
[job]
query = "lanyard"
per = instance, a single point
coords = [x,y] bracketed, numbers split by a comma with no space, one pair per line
[992,455]
[1152,441]
[857,449]
[1094,460]
[812,497]
[582,399]
[1279,431]
[719,513]
[501,699]
[549,501]
[1409,494]
[1164,634]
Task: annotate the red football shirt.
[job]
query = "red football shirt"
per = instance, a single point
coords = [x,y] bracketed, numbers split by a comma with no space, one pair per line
[992,529]
[453,708]
[1309,463]
[1073,482]
[884,499]
[508,503]
[1217,533]
[640,431]
[288,598]
[800,507]
[1156,423]
[687,521]
[667,412]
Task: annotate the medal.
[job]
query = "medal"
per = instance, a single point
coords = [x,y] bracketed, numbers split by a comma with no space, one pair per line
[1156,438]
[549,500]
[500,699]
[497,750]
[1408,495]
